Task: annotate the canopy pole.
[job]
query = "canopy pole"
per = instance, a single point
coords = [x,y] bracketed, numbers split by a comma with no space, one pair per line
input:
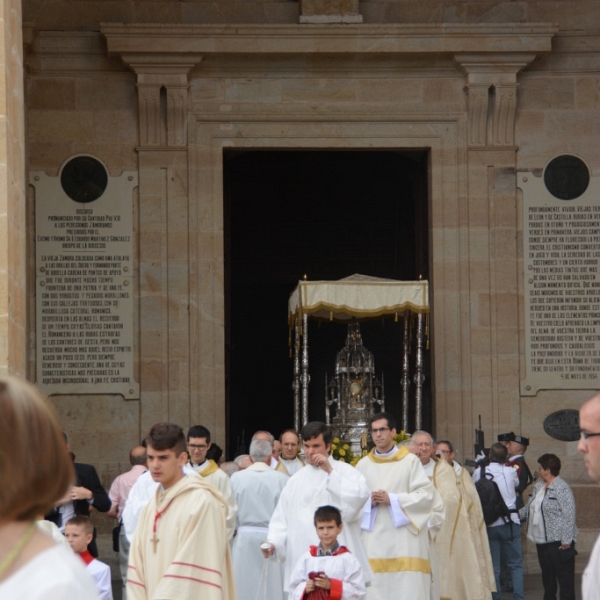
[296,383]
[405,381]
[305,376]
[419,376]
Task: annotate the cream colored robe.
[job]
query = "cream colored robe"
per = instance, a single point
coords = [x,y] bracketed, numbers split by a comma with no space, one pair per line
[192,558]
[460,570]
[215,476]
[399,556]
[478,530]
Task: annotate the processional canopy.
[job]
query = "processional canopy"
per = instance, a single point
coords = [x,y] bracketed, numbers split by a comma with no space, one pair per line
[354,298]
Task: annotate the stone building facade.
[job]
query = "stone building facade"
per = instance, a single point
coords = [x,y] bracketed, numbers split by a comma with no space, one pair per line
[489,88]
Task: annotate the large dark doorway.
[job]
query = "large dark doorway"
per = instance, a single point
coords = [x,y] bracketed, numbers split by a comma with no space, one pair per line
[326,214]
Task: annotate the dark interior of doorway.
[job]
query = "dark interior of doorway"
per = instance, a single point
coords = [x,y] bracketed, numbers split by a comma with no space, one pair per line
[326,215]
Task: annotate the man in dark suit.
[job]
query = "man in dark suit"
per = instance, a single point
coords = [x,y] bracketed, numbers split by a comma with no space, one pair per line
[86,492]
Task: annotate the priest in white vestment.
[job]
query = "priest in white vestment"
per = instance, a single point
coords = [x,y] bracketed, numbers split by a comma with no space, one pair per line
[289,461]
[460,571]
[256,491]
[395,521]
[323,481]
[179,549]
[198,440]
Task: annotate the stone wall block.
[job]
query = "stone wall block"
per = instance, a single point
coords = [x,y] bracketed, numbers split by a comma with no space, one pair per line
[177,211]
[117,127]
[109,93]
[150,277]
[573,124]
[437,90]
[587,92]
[178,249]
[152,343]
[152,309]
[253,90]
[323,90]
[204,89]
[52,93]
[52,125]
[528,124]
[480,309]
[389,90]
[587,496]
[537,92]
[150,245]
[178,278]
[152,377]
[151,212]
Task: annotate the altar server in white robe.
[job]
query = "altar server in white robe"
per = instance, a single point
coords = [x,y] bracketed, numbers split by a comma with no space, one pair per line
[323,481]
[256,491]
[395,521]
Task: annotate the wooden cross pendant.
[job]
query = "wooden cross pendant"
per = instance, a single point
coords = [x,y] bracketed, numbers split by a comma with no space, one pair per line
[154,540]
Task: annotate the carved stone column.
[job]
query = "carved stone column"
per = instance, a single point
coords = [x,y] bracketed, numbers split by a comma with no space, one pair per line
[169,373]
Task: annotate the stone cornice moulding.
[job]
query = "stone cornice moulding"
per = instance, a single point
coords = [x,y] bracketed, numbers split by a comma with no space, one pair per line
[185,40]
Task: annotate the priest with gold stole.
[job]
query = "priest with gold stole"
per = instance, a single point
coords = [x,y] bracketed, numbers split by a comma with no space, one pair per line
[198,439]
[179,548]
[395,521]
[460,568]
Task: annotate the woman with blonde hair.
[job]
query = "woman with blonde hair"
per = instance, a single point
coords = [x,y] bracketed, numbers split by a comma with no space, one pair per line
[35,472]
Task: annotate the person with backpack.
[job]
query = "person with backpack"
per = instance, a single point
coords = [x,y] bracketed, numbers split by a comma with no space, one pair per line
[504,532]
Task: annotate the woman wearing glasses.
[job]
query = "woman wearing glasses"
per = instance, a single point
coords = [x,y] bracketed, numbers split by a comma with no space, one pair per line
[550,516]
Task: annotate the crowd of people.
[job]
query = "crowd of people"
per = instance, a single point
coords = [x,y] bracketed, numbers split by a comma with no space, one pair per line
[286,521]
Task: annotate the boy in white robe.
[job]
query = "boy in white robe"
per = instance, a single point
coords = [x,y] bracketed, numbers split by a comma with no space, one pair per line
[179,549]
[79,532]
[323,481]
[328,566]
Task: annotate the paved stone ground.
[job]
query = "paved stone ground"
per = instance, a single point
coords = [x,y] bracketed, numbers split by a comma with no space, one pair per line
[533,589]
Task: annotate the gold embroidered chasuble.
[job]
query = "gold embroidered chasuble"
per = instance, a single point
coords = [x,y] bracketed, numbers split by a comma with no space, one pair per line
[459,566]
[399,556]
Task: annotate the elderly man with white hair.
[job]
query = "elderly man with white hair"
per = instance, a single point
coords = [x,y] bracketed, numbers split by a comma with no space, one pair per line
[256,491]
[461,575]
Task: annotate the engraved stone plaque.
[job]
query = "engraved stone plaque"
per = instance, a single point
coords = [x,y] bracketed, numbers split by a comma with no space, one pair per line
[563,425]
[561,256]
[84,283]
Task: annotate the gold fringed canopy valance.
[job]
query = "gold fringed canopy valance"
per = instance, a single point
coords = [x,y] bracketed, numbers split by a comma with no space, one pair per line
[357,297]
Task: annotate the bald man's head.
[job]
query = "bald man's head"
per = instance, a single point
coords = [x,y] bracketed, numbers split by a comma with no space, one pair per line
[137,456]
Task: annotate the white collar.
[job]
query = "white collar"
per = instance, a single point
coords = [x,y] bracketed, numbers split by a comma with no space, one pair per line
[258,466]
[389,453]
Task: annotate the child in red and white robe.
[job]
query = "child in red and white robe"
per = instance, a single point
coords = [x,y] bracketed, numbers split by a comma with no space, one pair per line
[79,532]
[327,571]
